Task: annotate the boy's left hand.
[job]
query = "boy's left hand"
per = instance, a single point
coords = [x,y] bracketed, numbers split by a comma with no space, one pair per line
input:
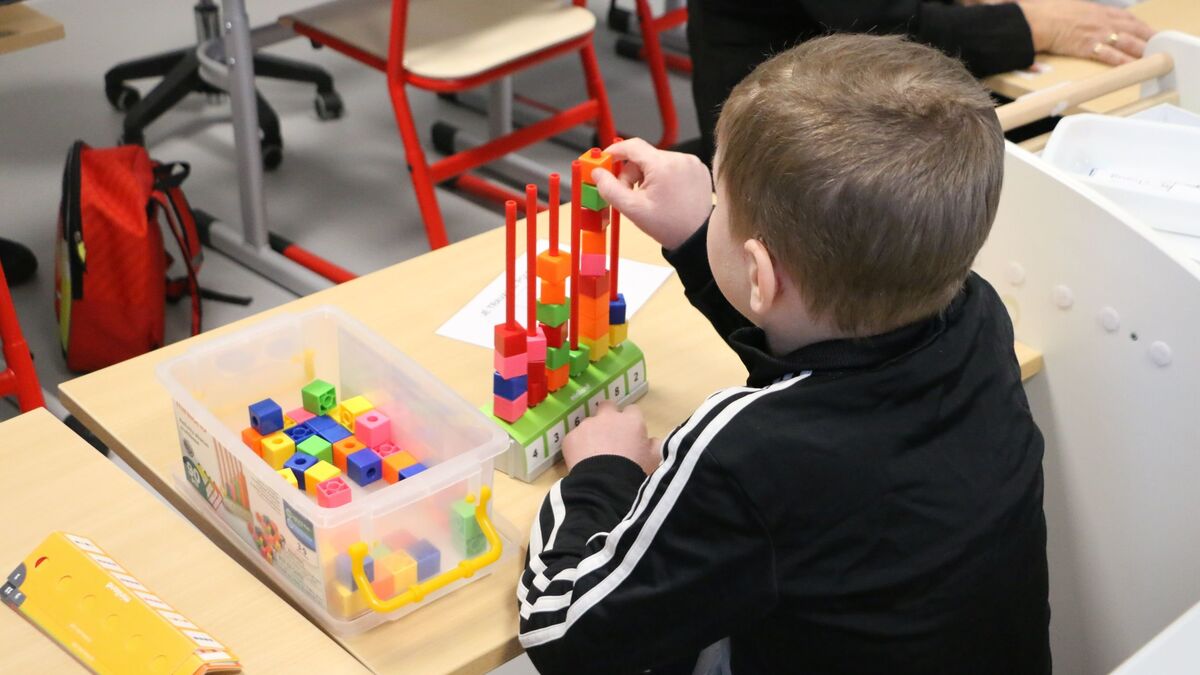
[612,432]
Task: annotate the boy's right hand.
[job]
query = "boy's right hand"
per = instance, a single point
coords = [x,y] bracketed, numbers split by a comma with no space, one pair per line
[673,194]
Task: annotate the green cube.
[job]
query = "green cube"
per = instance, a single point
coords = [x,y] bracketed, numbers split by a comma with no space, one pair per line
[556,357]
[319,397]
[317,447]
[475,546]
[589,198]
[579,360]
[553,315]
[463,524]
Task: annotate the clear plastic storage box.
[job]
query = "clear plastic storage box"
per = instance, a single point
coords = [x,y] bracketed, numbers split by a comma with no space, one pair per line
[412,523]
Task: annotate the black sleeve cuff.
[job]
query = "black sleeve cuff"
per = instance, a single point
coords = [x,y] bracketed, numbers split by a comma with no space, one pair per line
[620,474]
[989,39]
[690,259]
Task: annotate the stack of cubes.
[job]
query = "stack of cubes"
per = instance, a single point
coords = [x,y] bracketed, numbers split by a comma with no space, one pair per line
[510,381]
[395,564]
[553,270]
[316,447]
[593,292]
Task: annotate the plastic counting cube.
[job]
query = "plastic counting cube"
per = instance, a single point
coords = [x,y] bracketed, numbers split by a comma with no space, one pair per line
[537,383]
[593,222]
[300,415]
[593,242]
[556,336]
[344,602]
[592,264]
[597,347]
[335,433]
[266,417]
[510,367]
[589,198]
[616,309]
[594,285]
[509,339]
[253,440]
[579,360]
[510,410]
[509,388]
[557,378]
[319,397]
[315,446]
[617,334]
[554,267]
[552,292]
[333,493]
[464,529]
[319,473]
[299,432]
[411,470]
[344,448]
[342,570]
[553,315]
[289,476]
[537,347]
[404,570]
[394,462]
[322,423]
[591,160]
[428,557]
[385,449]
[373,428]
[276,448]
[364,467]
[298,464]
[348,412]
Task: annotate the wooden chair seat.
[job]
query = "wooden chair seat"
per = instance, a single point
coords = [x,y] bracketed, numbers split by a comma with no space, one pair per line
[451,39]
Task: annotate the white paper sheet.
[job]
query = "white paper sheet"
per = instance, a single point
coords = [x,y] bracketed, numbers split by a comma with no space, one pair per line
[475,322]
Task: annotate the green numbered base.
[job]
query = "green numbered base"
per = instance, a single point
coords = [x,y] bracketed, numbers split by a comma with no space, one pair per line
[537,437]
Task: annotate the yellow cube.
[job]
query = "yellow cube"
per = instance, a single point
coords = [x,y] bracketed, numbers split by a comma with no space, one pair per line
[617,334]
[344,602]
[276,448]
[319,473]
[597,347]
[350,409]
[289,476]
[402,568]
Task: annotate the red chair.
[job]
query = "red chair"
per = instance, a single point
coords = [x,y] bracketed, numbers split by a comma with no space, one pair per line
[450,46]
[650,49]
[18,377]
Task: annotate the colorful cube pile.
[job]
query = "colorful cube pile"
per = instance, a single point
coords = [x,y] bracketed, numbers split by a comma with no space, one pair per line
[317,447]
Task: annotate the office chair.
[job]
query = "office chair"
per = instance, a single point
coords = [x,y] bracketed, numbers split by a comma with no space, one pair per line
[180,73]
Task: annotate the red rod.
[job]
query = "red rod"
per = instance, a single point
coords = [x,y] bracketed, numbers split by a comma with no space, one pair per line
[554,180]
[576,189]
[531,258]
[614,255]
[510,261]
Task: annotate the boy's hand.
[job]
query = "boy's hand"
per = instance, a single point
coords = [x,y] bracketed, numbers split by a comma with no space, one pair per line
[674,196]
[612,432]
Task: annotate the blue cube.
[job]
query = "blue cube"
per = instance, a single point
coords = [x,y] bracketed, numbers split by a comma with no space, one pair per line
[412,470]
[322,423]
[342,565]
[511,388]
[334,434]
[616,310]
[299,463]
[428,557]
[266,416]
[364,467]
[298,433]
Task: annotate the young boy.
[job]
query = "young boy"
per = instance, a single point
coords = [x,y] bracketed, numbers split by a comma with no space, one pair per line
[871,501]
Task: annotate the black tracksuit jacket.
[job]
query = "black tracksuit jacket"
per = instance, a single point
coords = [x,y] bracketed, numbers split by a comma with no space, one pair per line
[861,506]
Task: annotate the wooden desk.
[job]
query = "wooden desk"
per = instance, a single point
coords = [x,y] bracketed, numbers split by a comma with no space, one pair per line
[475,629]
[22,27]
[52,480]
[1181,15]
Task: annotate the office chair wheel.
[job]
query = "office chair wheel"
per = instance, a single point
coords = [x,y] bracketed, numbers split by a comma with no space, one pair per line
[122,97]
[328,105]
[618,18]
[272,154]
[442,135]
[628,48]
[448,96]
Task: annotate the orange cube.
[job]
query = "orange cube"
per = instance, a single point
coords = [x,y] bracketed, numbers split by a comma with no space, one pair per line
[593,242]
[343,449]
[555,267]
[591,160]
[394,462]
[557,379]
[253,440]
[553,293]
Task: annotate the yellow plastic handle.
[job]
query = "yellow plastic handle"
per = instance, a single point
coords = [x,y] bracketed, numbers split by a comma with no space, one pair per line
[417,592]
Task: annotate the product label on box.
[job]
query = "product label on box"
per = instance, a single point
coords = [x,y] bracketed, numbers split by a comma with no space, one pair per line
[284,539]
[196,444]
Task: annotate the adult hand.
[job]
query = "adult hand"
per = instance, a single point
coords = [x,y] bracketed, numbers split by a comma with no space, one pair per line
[1086,29]
[666,194]
[612,432]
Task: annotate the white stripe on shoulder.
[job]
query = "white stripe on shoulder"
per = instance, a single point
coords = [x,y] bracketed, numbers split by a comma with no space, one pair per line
[654,521]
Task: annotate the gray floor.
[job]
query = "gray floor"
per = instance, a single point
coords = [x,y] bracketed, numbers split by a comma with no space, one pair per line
[341,191]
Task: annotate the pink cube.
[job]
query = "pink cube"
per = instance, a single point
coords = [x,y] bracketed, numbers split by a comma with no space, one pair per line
[536,347]
[300,415]
[373,428]
[512,366]
[510,411]
[592,264]
[385,449]
[333,492]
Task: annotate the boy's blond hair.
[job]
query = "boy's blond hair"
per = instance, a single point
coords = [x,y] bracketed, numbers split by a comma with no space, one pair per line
[870,167]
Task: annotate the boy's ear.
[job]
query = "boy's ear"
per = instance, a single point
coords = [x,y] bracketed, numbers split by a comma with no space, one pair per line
[763,277]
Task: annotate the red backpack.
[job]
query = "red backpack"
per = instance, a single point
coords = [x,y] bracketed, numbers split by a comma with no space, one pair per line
[110,265]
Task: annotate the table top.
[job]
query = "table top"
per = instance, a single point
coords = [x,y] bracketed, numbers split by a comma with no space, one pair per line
[475,629]
[22,27]
[1181,15]
[53,480]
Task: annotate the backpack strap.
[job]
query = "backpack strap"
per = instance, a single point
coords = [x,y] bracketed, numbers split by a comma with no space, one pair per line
[175,224]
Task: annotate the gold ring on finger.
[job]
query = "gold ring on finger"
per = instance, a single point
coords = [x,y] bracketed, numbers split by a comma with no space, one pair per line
[1112,38]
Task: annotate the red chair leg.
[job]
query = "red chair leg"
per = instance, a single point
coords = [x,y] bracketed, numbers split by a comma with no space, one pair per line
[596,90]
[656,63]
[20,378]
[431,213]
